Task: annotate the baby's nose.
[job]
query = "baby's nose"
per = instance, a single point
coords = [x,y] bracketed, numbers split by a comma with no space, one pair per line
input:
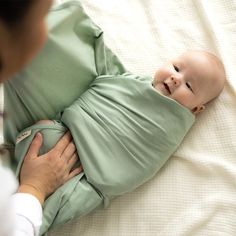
[176,81]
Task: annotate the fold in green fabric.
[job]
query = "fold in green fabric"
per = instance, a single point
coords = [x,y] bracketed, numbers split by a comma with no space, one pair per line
[124,131]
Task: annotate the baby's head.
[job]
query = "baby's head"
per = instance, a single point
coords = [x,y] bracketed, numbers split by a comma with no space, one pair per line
[192,79]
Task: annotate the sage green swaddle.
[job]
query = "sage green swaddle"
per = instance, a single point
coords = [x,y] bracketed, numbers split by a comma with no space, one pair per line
[73,57]
[124,131]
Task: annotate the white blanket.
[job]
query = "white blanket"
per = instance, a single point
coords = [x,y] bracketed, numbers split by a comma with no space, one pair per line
[195,192]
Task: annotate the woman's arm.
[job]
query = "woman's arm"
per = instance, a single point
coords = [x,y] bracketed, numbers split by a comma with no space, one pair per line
[40,176]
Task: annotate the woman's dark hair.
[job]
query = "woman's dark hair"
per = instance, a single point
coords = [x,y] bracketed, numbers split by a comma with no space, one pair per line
[12,12]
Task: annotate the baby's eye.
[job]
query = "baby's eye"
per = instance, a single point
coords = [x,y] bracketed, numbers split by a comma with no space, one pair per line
[176,68]
[189,86]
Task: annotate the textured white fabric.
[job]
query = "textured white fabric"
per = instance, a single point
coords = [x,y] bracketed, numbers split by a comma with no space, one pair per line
[28,211]
[21,213]
[1,109]
[8,184]
[195,193]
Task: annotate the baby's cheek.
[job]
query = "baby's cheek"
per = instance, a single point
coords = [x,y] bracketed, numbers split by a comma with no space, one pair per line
[155,78]
[160,76]
[184,99]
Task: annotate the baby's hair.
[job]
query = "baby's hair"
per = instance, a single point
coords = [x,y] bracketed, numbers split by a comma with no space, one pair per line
[221,67]
[216,60]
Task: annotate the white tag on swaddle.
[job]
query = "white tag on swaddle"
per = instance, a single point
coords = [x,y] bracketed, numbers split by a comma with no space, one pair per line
[23,136]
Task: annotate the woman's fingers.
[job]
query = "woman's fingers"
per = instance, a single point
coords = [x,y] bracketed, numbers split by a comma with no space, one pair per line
[69,151]
[62,144]
[75,172]
[35,146]
[74,159]
[49,171]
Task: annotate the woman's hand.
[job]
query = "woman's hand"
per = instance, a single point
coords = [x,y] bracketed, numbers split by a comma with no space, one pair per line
[42,175]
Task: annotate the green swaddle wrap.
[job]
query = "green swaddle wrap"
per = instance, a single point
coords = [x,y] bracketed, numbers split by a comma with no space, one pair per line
[124,131]
[123,128]
[73,57]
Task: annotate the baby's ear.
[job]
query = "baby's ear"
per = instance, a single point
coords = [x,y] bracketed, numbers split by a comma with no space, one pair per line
[198,109]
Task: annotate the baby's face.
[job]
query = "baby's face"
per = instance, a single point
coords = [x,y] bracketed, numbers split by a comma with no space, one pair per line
[192,79]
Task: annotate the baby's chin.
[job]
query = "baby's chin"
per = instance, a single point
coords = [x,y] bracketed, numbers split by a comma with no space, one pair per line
[161,88]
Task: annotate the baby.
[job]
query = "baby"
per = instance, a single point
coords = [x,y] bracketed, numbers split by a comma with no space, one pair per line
[192,79]
[125,128]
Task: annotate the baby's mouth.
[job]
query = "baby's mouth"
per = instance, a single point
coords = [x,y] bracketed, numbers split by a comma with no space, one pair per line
[167,87]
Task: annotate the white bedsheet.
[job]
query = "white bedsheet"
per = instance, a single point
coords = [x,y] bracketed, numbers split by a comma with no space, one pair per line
[195,192]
